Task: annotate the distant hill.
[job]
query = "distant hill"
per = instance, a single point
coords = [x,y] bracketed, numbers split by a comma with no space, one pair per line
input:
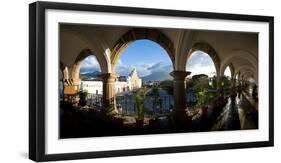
[92,74]
[157,76]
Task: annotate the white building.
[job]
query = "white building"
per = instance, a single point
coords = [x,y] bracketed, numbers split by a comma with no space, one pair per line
[122,84]
[92,86]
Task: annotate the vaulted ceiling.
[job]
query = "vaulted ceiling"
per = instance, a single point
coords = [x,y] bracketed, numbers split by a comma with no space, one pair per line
[236,48]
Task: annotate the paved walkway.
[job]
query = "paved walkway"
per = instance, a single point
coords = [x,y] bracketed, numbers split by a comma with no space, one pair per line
[236,115]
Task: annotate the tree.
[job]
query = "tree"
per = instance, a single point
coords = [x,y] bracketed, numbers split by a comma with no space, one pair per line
[199,76]
[168,86]
[201,83]
[214,82]
[189,83]
[202,97]
[202,88]
[226,82]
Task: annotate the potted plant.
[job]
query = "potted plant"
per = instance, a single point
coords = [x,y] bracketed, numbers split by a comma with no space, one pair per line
[139,97]
[202,101]
[118,120]
[83,98]
[154,122]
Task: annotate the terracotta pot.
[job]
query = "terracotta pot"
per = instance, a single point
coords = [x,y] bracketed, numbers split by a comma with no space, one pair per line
[139,122]
[153,123]
[204,110]
[118,121]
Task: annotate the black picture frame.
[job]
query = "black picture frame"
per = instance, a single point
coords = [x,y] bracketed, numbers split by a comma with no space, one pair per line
[37,80]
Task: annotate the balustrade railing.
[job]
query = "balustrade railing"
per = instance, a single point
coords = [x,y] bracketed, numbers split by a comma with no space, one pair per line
[159,105]
[153,105]
[94,100]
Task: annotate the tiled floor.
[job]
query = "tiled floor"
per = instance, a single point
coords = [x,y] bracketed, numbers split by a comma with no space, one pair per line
[236,115]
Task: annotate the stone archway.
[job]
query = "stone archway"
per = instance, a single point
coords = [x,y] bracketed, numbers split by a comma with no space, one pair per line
[239,55]
[64,70]
[246,74]
[232,77]
[141,33]
[108,97]
[179,112]
[208,49]
[211,51]
[247,67]
[84,54]
[232,70]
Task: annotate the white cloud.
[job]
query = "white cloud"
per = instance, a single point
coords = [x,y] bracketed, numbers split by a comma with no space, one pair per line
[143,69]
[89,64]
[121,69]
[90,61]
[200,63]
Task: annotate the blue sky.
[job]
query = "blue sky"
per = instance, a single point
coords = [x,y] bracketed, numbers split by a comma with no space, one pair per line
[144,52]
[144,55]
[200,63]
[148,57]
[89,64]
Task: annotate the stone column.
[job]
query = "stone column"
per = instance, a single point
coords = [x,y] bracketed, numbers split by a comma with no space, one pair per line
[109,98]
[220,86]
[232,82]
[179,111]
[71,90]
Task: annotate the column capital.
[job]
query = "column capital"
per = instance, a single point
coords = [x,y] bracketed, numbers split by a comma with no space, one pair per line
[75,81]
[180,75]
[108,76]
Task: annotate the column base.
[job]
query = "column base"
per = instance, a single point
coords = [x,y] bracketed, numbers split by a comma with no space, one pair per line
[180,118]
[110,111]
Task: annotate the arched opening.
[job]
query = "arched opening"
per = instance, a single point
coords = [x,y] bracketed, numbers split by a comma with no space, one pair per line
[240,58]
[227,80]
[141,33]
[249,68]
[89,68]
[80,58]
[210,51]
[202,81]
[199,63]
[227,73]
[236,79]
[144,66]
[85,61]
[84,87]
[91,85]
